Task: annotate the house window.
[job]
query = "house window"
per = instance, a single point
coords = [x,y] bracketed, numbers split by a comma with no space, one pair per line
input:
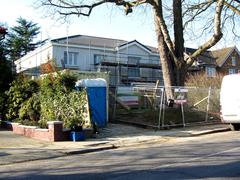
[98,58]
[145,72]
[133,60]
[232,71]
[124,71]
[211,71]
[70,58]
[234,62]
[133,72]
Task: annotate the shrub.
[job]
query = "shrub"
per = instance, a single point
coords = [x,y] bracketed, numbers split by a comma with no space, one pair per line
[30,109]
[59,101]
[55,99]
[6,78]
[20,90]
[203,83]
[201,80]
[72,108]
[3,109]
[67,81]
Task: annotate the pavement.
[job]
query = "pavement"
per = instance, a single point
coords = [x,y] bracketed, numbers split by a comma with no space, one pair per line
[16,148]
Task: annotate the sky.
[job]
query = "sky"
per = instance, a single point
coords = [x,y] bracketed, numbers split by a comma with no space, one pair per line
[107,21]
[103,22]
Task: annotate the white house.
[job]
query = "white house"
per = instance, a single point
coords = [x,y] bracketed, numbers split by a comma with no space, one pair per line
[126,61]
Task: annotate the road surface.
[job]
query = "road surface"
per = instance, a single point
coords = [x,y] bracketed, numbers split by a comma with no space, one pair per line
[215,156]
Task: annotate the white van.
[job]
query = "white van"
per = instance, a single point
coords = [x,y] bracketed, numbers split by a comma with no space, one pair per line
[230,100]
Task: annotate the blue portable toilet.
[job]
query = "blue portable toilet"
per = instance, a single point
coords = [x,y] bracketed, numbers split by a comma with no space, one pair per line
[97,99]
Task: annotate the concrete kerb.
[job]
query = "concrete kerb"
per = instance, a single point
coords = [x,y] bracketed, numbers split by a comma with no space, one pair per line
[211,131]
[90,150]
[160,136]
[136,141]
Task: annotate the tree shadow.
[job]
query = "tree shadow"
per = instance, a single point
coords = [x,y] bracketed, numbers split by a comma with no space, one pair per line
[224,171]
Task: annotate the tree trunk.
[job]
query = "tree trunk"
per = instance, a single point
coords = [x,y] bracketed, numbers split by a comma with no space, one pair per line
[166,62]
[173,65]
[178,30]
[181,67]
[180,75]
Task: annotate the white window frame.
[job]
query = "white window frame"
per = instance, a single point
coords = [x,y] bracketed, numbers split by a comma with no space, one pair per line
[232,71]
[234,61]
[211,71]
[71,58]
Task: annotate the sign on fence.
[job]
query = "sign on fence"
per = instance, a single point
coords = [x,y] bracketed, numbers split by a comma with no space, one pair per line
[180,95]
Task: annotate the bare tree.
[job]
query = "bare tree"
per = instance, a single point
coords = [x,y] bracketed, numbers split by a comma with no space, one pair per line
[175,62]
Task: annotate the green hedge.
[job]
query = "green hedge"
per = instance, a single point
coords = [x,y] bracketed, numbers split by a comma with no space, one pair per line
[51,98]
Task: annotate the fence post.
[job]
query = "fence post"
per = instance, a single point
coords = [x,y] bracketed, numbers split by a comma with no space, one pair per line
[163,108]
[160,108]
[183,117]
[208,103]
[115,104]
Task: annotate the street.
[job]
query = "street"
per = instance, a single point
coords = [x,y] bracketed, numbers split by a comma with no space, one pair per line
[213,156]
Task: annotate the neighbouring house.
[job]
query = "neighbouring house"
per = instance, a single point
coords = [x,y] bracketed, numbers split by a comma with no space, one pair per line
[126,61]
[224,61]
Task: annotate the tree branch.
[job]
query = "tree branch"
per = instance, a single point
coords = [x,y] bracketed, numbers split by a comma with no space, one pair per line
[215,37]
[157,6]
[234,9]
[237,1]
[199,8]
[86,9]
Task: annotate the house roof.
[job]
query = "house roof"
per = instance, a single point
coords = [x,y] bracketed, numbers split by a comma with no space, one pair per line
[221,55]
[204,58]
[90,41]
[148,48]
[98,42]
[216,57]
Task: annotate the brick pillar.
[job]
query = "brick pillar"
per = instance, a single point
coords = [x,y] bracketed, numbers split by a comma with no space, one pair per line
[55,130]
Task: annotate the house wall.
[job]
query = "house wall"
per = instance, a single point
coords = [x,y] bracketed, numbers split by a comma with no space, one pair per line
[135,51]
[85,60]
[35,58]
[155,59]
[228,64]
[85,57]
[145,74]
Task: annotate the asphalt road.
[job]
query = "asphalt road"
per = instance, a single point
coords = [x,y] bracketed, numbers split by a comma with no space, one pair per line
[215,156]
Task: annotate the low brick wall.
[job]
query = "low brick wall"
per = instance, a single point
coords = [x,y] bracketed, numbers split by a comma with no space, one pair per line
[54,132]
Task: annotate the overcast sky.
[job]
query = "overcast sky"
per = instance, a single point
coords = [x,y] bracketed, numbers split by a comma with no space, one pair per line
[105,21]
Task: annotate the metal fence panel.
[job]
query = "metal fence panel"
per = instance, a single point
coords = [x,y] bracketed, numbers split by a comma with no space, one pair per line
[148,105]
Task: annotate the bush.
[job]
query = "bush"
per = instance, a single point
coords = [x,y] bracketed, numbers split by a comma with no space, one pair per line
[67,81]
[20,90]
[55,99]
[6,78]
[72,108]
[3,105]
[59,101]
[30,109]
[202,81]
